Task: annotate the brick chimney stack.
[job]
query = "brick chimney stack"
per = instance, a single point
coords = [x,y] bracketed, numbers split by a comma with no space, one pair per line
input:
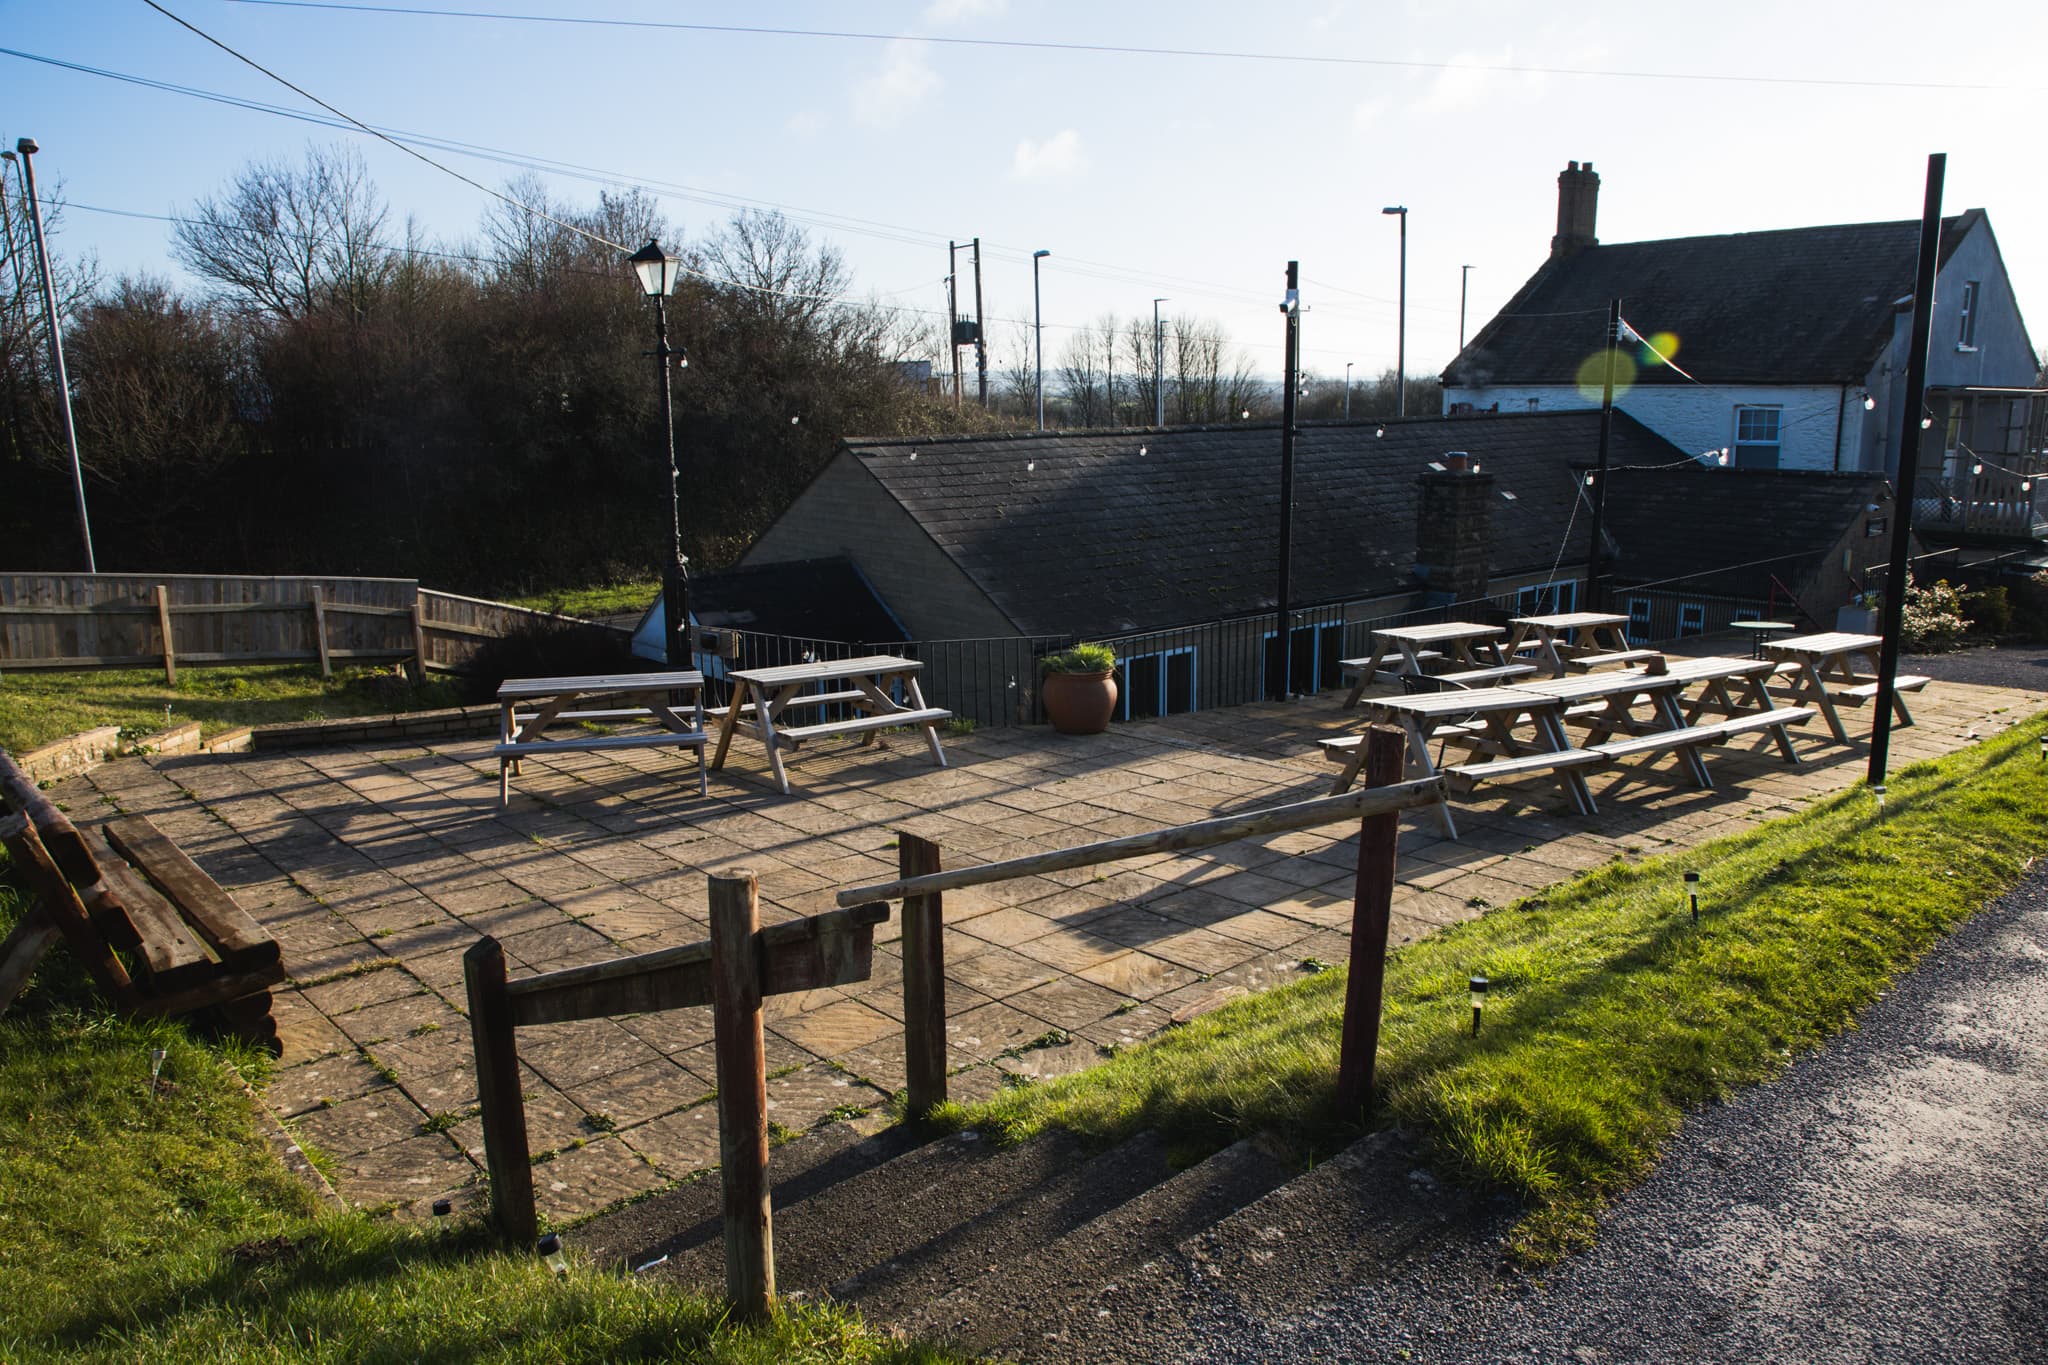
[1453,531]
[1578,204]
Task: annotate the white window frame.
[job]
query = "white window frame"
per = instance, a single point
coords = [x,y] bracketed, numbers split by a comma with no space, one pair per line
[1639,633]
[1966,330]
[1194,680]
[1529,600]
[1315,658]
[1776,445]
[1692,619]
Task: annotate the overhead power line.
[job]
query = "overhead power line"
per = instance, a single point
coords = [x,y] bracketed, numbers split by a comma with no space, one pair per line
[1133,50]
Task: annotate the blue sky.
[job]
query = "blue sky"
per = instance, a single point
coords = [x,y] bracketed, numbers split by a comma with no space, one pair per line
[1187,176]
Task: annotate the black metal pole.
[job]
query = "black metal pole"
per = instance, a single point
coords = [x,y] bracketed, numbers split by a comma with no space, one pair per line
[980,331]
[675,586]
[1401,330]
[953,315]
[1595,555]
[1283,683]
[1909,468]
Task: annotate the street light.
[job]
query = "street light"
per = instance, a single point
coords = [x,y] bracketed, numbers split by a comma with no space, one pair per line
[1038,327]
[1347,388]
[658,272]
[1401,343]
[1158,368]
[1464,279]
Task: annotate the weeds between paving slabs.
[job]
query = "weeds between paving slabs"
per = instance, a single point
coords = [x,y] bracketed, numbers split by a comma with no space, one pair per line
[141,1224]
[1610,1014]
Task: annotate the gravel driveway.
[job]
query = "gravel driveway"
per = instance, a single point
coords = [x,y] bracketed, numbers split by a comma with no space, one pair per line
[1884,1201]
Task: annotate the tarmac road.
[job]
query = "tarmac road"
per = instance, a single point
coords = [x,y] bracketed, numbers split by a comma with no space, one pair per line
[1883,1201]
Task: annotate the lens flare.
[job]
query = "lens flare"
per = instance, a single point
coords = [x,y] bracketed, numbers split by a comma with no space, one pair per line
[1593,374]
[1663,345]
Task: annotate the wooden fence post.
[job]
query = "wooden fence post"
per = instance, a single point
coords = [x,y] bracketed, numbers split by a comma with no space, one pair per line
[320,628]
[1371,913]
[924,980]
[742,1096]
[419,640]
[497,1088]
[163,620]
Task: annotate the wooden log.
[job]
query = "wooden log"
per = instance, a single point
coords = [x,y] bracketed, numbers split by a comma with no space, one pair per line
[53,827]
[742,1097]
[1371,916]
[173,957]
[1361,802]
[497,1086]
[924,980]
[234,935]
[320,629]
[163,620]
[26,943]
[60,901]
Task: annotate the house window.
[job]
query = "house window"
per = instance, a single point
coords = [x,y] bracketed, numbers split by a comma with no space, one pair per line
[1756,438]
[1546,599]
[1317,650]
[1639,620]
[1161,684]
[1535,403]
[1966,334]
[1692,619]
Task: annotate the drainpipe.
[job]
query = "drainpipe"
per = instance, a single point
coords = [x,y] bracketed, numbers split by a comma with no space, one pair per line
[1841,416]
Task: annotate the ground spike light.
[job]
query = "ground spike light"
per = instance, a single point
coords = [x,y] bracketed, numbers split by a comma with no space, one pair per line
[1478,985]
[156,1070]
[1692,894]
[550,1249]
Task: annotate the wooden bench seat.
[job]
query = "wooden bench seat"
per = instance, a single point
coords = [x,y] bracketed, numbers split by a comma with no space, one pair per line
[818,699]
[1863,692]
[125,887]
[1468,775]
[1476,677]
[667,739]
[1718,732]
[797,734]
[1586,663]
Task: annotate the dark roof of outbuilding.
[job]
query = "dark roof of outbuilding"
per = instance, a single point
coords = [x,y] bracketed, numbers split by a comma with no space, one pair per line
[1730,531]
[1098,533]
[1792,306]
[815,599]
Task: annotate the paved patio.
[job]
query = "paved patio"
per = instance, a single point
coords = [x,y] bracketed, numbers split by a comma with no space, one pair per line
[377,867]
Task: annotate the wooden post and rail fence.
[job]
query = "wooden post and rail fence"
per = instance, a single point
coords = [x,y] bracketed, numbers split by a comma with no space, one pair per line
[741,963]
[163,620]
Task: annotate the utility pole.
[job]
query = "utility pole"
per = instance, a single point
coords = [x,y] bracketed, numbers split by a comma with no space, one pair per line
[980,330]
[1593,565]
[1038,331]
[953,315]
[1464,278]
[1290,305]
[1909,470]
[1401,328]
[27,148]
[1158,366]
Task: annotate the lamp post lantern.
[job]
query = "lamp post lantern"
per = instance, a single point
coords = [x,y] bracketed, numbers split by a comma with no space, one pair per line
[658,272]
[1401,327]
[1038,332]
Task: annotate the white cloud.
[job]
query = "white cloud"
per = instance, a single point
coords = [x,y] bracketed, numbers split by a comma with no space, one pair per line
[1469,80]
[960,11]
[1057,156]
[889,95]
[805,122]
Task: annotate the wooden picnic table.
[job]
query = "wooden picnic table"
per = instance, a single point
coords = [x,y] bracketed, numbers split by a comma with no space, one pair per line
[1826,674]
[1564,635]
[761,696]
[1489,720]
[1605,702]
[1472,651]
[528,706]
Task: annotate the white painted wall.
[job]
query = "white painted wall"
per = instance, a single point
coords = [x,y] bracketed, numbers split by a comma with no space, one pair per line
[1697,417]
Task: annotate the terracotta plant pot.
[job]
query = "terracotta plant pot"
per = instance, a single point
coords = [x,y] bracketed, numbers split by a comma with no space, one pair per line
[1080,703]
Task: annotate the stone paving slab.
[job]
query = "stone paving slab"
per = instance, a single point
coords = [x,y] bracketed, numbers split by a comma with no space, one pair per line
[377,865]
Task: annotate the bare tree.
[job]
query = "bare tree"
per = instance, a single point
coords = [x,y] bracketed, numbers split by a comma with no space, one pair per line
[1087,374]
[289,241]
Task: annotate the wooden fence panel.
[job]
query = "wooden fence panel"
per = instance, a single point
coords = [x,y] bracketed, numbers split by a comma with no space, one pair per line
[454,626]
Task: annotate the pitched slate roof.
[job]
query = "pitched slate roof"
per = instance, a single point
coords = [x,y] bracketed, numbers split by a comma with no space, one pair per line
[1793,306]
[1730,531]
[815,599]
[1105,532]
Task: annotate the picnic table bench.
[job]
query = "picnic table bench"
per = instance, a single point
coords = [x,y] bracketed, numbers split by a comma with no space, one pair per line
[1822,670]
[1473,651]
[1560,637]
[123,885]
[762,696]
[674,702]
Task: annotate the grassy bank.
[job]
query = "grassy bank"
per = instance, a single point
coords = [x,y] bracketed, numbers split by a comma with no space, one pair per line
[141,1225]
[39,707]
[595,600]
[1610,1014]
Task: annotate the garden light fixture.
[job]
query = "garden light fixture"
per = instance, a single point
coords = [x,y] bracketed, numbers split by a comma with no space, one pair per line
[550,1249]
[1478,985]
[1692,894]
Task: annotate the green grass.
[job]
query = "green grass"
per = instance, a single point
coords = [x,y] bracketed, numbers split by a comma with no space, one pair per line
[39,707]
[598,599]
[1610,1015]
[142,1226]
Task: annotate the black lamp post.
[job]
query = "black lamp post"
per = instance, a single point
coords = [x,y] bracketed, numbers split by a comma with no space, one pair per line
[658,272]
